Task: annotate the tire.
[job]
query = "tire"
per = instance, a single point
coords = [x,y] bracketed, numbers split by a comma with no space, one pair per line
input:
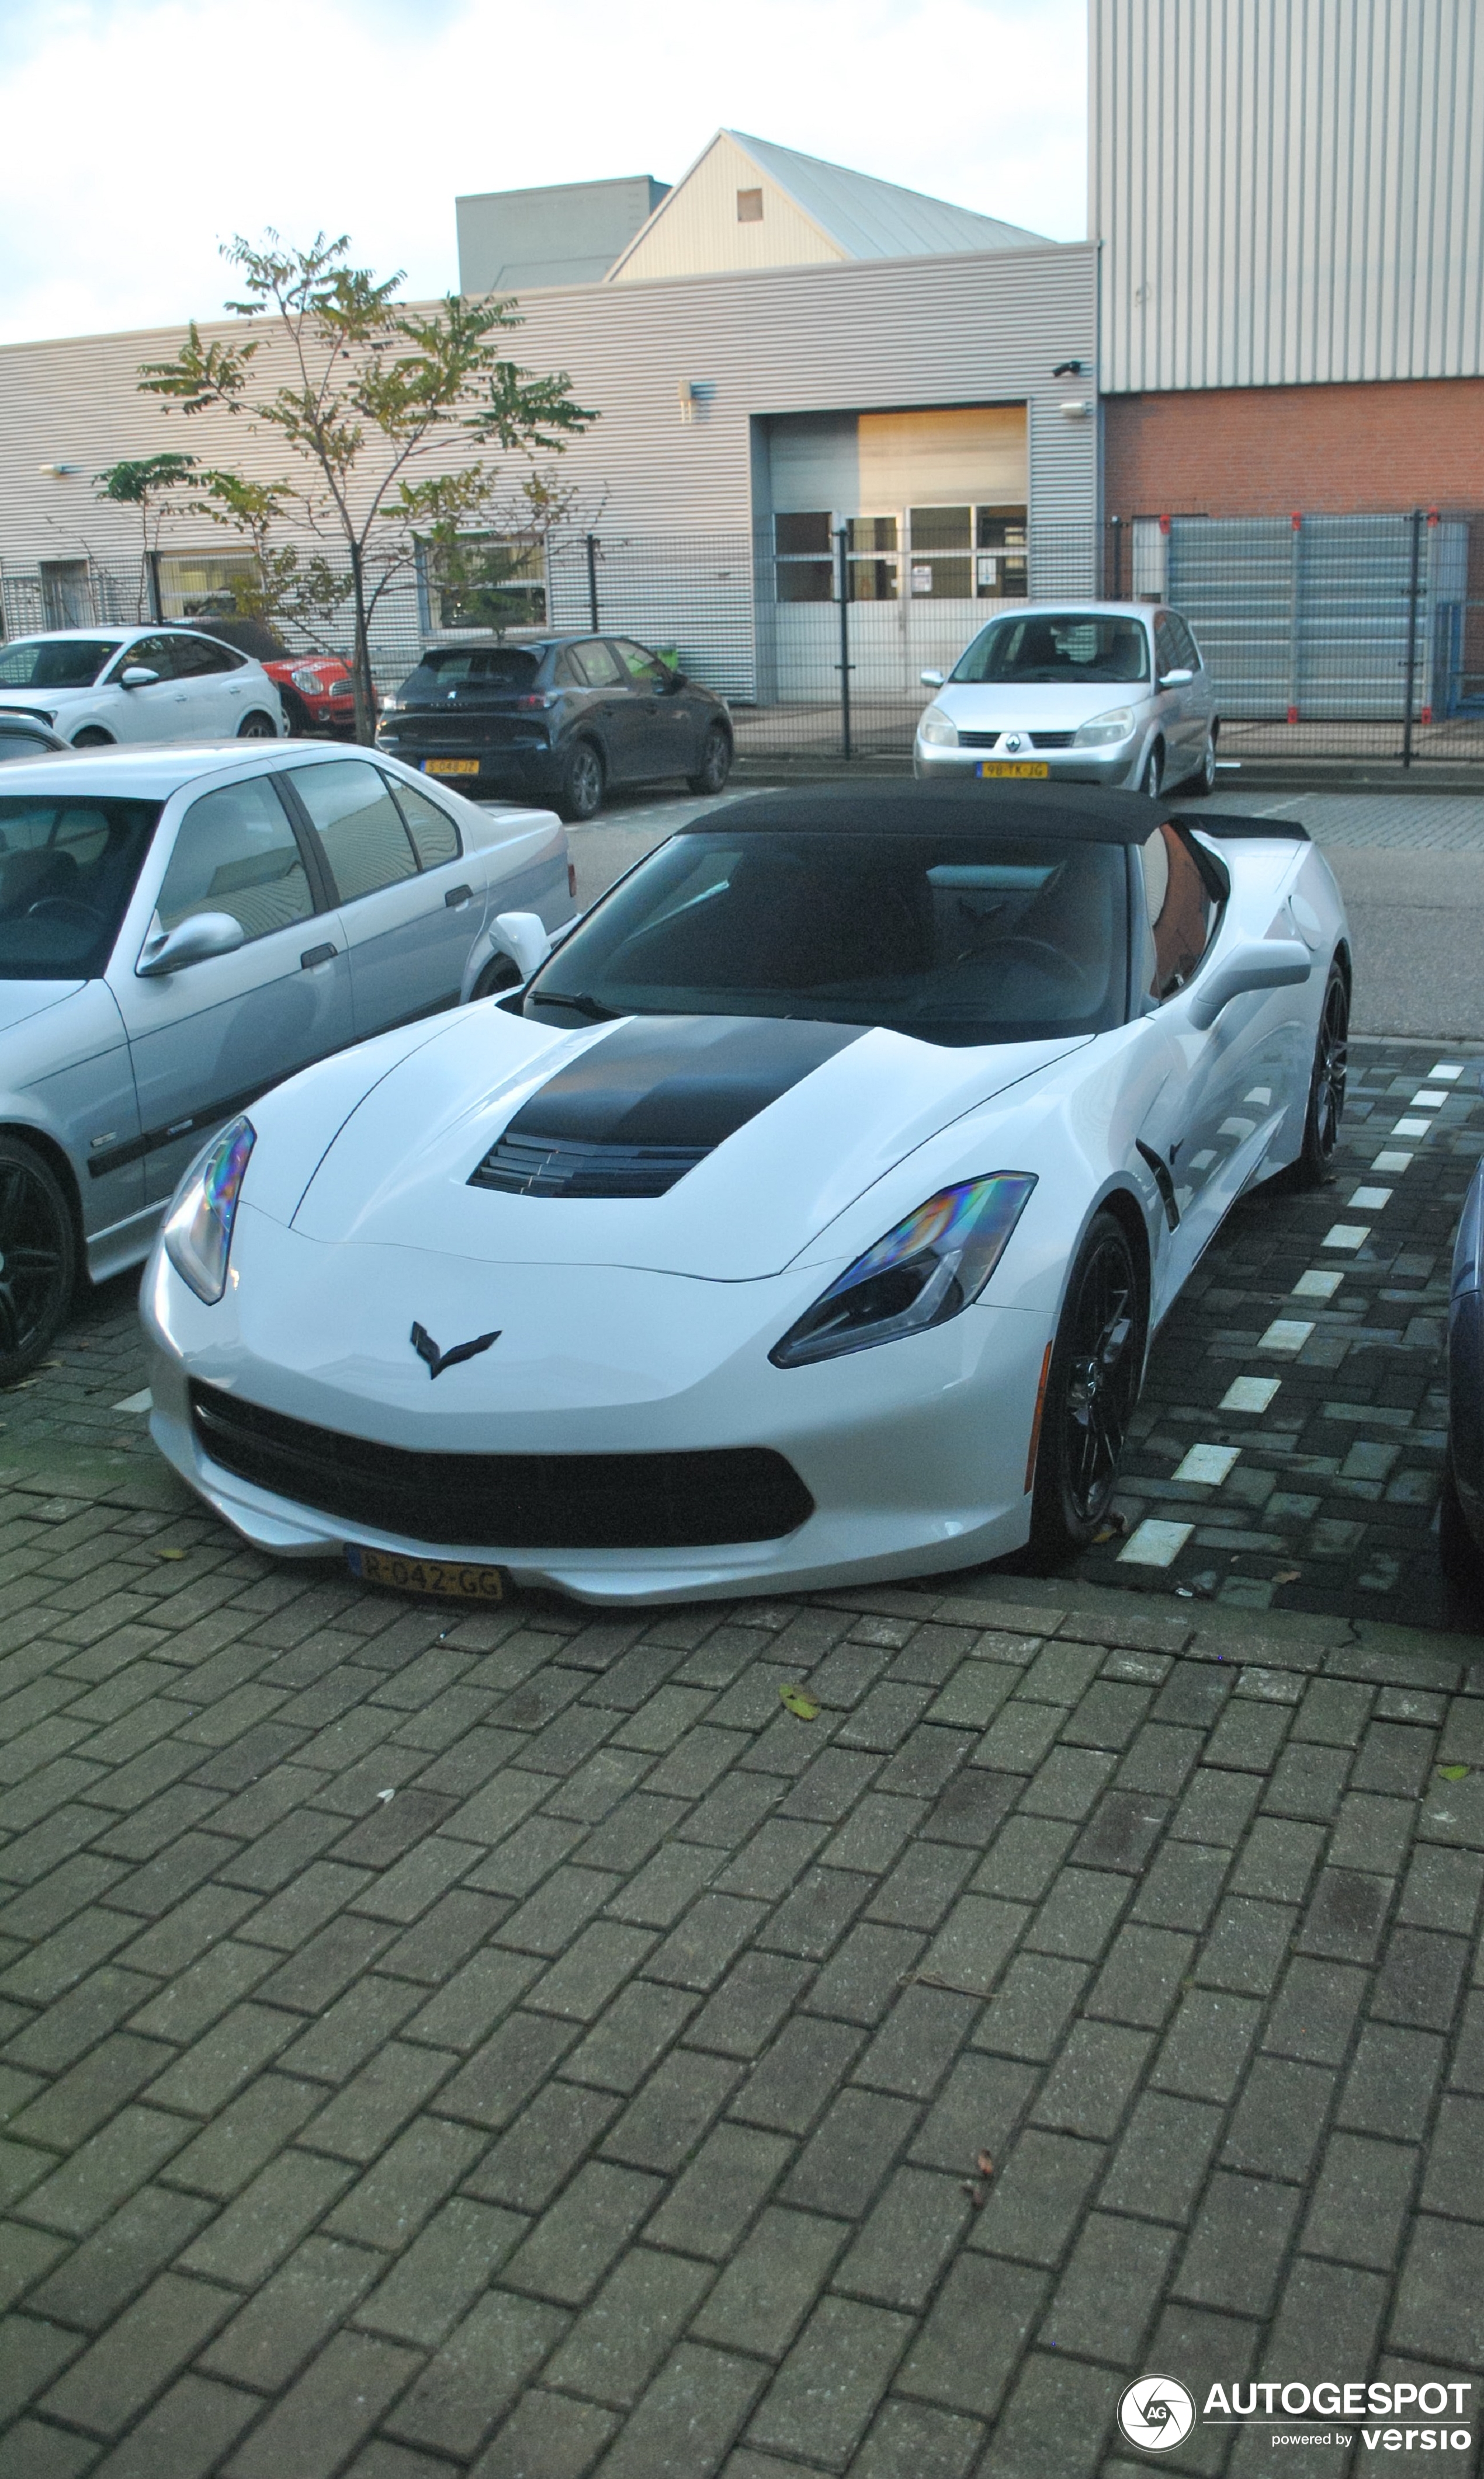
[38,1257]
[580,793]
[1203,782]
[710,776]
[1153,776]
[93,736]
[501,973]
[295,716]
[1326,1085]
[257,725]
[1092,1386]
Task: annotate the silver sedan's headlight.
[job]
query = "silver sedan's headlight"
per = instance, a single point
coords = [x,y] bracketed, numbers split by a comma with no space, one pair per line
[198,1226]
[1116,724]
[937,729]
[924,1272]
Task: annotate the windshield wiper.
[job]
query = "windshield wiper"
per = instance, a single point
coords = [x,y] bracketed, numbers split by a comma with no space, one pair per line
[579,1003]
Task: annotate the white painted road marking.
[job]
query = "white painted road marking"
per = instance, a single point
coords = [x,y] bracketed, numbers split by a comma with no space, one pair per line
[1285,1334]
[1316,1285]
[1154,1543]
[1249,1393]
[1209,1465]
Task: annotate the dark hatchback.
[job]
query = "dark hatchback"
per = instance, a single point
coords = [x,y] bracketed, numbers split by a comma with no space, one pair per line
[557,722]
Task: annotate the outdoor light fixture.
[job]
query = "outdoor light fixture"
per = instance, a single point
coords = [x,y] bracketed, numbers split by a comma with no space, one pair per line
[1067,370]
[57,471]
[686,392]
[1074,406]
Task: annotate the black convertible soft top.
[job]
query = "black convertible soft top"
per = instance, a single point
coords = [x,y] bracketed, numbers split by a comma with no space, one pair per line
[1078,814]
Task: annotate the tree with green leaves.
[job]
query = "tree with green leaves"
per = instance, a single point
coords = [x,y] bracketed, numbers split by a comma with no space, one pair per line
[389,411]
[150,484]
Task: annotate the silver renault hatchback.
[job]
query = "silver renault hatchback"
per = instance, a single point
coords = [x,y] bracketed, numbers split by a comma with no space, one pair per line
[1109,693]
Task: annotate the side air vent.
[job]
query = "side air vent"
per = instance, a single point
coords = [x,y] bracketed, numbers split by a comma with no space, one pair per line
[562,1167]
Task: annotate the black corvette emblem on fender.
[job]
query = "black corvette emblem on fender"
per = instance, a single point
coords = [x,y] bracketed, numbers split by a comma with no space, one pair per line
[426,1348]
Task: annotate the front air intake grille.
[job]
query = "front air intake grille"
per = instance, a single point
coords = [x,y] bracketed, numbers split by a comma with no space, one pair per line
[666,1502]
[562,1167]
[1052,739]
[978,739]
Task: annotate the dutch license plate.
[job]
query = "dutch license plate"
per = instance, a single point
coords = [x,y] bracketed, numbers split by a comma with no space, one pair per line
[988,766]
[445,1578]
[468,766]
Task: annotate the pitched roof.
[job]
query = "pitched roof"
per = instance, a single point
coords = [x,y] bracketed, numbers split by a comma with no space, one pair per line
[874,219]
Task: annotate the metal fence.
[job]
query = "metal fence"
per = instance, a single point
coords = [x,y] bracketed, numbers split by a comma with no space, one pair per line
[1359,638]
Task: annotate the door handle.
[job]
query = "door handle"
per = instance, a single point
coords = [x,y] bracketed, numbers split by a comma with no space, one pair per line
[313,956]
[457,895]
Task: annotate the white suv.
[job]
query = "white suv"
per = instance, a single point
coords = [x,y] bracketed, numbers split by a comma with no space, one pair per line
[94,685]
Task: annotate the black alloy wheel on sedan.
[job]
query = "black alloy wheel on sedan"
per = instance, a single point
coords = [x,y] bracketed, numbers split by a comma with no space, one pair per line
[38,1257]
[1092,1388]
[1327,1084]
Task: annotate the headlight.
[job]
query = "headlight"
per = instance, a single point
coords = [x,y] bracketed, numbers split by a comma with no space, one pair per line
[309,681]
[931,1265]
[198,1226]
[389,704]
[1116,724]
[938,729]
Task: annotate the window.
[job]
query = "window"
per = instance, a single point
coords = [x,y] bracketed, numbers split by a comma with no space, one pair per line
[873,578]
[485,581]
[1074,647]
[196,657]
[1000,553]
[55,663]
[1186,652]
[203,585]
[22,744]
[596,665]
[748,206]
[804,542]
[359,824]
[152,654]
[512,668]
[939,538]
[1181,908]
[645,670]
[236,853]
[67,869]
[435,836]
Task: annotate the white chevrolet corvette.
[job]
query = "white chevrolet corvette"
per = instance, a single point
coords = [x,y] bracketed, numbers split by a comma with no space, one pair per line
[802,1217]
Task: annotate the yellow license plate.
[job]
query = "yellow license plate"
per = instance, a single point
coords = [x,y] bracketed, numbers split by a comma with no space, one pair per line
[444,1578]
[987,766]
[468,766]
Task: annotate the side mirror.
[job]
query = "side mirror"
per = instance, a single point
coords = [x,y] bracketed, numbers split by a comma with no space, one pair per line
[524,938]
[931,680]
[191,942]
[1175,680]
[137,676]
[1257,964]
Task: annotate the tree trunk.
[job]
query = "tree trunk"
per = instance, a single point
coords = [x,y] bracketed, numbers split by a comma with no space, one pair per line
[365,693]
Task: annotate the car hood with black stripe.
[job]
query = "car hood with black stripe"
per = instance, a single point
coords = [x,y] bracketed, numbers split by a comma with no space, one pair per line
[716,1147]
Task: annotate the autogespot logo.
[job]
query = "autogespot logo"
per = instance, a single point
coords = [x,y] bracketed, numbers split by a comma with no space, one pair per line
[1157,2413]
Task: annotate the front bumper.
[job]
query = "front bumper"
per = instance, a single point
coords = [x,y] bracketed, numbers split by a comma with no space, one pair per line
[915,1454]
[1117,769]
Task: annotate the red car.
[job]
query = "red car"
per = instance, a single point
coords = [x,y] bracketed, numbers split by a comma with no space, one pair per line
[318,697]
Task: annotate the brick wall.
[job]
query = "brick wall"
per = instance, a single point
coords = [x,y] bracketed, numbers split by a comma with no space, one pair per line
[1265,452]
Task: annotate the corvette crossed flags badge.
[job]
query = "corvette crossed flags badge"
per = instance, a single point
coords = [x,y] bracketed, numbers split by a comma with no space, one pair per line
[426,1348]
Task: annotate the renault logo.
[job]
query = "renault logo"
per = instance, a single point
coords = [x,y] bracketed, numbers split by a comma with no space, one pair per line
[1012,740]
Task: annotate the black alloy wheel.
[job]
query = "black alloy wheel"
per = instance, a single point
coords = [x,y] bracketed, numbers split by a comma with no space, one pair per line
[257,725]
[1326,1084]
[715,766]
[38,1257]
[583,781]
[1091,1389]
[93,736]
[501,973]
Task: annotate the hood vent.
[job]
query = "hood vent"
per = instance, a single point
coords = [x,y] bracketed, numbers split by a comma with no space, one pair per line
[559,1166]
[640,1107]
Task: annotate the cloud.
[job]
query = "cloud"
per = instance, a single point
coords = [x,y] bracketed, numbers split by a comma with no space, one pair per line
[140,136]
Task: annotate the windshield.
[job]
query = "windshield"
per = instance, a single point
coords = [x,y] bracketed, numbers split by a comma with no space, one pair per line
[54,662]
[67,868]
[487,667]
[1060,648]
[954,939]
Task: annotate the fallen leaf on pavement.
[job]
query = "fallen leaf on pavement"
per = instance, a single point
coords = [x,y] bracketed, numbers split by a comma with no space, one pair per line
[170,1553]
[984,2165]
[1454,1772]
[803,1707]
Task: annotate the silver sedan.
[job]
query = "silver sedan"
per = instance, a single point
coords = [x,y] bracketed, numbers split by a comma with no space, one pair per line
[1109,693]
[181,928]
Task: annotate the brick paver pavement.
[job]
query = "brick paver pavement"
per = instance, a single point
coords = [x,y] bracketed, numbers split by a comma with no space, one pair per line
[518,2045]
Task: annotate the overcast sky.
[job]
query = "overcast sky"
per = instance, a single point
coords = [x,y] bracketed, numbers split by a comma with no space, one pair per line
[141,133]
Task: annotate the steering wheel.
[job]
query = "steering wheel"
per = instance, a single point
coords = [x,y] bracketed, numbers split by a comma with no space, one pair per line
[66,904]
[1040,950]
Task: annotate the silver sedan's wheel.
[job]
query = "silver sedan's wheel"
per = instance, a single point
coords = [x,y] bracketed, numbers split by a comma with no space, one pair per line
[257,727]
[1153,776]
[38,1257]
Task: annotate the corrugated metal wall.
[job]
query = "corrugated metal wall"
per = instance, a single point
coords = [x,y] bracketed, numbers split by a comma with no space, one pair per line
[973,328]
[1288,191]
